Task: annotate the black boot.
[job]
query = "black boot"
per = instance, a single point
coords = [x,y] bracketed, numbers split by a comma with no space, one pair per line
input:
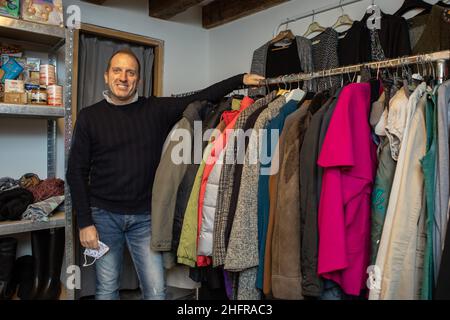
[8,248]
[39,247]
[23,271]
[52,285]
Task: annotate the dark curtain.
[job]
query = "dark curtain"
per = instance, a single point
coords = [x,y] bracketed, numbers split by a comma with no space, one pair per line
[93,60]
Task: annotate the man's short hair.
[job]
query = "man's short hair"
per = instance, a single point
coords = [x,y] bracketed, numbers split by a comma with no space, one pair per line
[127,52]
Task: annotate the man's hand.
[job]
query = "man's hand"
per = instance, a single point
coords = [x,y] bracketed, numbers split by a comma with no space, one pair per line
[252,79]
[89,237]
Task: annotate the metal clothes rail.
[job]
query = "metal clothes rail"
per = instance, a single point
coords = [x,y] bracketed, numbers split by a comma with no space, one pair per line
[440,57]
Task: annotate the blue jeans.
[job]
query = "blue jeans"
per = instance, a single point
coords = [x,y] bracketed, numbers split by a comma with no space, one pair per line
[114,230]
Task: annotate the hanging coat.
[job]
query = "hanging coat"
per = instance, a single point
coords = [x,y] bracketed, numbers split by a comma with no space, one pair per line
[226,183]
[242,253]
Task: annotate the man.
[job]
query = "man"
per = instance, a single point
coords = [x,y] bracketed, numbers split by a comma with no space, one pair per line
[116,149]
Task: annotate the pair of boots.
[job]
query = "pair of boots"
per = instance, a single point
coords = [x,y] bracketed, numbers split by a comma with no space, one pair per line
[8,248]
[48,251]
[37,277]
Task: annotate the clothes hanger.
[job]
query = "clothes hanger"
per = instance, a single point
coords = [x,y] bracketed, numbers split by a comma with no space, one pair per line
[314,27]
[417,76]
[325,83]
[283,40]
[406,76]
[331,80]
[367,15]
[343,19]
[433,80]
[409,5]
[280,90]
[296,94]
[283,35]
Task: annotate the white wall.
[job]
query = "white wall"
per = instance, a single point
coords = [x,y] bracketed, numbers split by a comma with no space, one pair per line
[232,45]
[185,44]
[194,58]
[23,141]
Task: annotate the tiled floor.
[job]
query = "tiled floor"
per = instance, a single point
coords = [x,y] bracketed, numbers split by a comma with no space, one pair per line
[172,294]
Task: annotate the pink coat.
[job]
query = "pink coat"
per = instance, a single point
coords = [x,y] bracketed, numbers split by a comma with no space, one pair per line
[348,156]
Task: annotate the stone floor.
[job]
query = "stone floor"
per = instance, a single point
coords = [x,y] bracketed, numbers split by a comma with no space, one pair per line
[172,294]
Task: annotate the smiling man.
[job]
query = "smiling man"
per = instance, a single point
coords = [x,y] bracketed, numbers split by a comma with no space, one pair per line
[115,152]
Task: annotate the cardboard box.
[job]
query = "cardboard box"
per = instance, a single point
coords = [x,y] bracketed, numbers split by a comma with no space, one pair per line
[33,64]
[15,98]
[9,8]
[2,92]
[17,86]
[34,77]
[43,11]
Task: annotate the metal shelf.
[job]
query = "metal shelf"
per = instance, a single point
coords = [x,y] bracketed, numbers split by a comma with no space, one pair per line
[58,220]
[47,39]
[30,111]
[21,30]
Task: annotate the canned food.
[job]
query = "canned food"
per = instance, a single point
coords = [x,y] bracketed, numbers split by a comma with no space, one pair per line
[55,95]
[47,75]
[39,96]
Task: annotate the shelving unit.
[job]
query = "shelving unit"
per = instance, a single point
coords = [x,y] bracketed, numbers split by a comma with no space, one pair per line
[31,32]
[30,111]
[49,39]
[58,220]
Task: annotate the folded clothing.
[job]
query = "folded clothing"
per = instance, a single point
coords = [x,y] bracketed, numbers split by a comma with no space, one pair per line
[41,211]
[29,180]
[14,202]
[47,188]
[8,183]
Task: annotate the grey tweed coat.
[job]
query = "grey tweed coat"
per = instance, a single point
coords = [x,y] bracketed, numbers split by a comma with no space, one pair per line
[242,253]
[226,184]
[259,62]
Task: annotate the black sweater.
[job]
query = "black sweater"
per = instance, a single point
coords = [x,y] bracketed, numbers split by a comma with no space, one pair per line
[116,150]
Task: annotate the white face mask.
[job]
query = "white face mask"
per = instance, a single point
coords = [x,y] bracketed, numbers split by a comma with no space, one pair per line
[96,254]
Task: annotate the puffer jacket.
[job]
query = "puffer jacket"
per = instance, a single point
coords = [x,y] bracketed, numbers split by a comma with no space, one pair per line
[187,248]
[217,150]
[205,239]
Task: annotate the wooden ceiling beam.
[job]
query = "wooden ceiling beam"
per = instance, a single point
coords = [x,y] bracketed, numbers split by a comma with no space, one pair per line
[220,12]
[99,2]
[166,9]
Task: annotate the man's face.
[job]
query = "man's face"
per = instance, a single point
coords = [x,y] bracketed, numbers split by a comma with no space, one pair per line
[122,76]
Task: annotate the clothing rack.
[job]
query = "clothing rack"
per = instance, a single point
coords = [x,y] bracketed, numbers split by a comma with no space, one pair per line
[314,12]
[184,94]
[440,57]
[190,93]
